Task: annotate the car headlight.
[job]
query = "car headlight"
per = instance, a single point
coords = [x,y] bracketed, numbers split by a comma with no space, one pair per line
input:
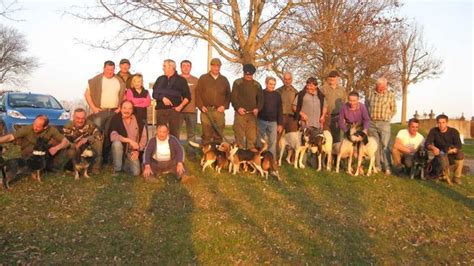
[64,116]
[16,114]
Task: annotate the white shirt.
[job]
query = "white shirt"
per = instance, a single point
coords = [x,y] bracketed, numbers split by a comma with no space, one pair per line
[110,93]
[163,151]
[408,141]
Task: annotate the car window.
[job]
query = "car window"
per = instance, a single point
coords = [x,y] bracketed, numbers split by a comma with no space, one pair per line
[33,101]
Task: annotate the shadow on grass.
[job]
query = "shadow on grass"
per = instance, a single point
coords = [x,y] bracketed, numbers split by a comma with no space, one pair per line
[450,193]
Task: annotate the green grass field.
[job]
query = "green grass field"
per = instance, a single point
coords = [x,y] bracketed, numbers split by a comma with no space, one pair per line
[308,218]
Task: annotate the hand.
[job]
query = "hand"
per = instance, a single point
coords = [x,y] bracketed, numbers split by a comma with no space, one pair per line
[411,150]
[204,109]
[133,145]
[304,117]
[241,111]
[53,150]
[322,119]
[435,151]
[95,110]
[80,142]
[366,131]
[134,155]
[180,168]
[167,101]
[452,151]
[279,129]
[147,171]
[221,109]
[117,110]
[255,112]
[178,108]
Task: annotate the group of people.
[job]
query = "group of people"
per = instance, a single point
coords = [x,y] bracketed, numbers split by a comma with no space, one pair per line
[117,125]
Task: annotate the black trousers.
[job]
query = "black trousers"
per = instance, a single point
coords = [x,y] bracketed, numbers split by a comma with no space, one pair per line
[170,117]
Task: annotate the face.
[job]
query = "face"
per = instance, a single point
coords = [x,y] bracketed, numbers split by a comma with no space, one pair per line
[127,109]
[109,71]
[380,87]
[413,128]
[271,85]
[168,69]
[311,88]
[38,125]
[124,68]
[79,119]
[162,133]
[332,81]
[287,80]
[353,101]
[248,76]
[137,83]
[215,69]
[442,124]
[185,68]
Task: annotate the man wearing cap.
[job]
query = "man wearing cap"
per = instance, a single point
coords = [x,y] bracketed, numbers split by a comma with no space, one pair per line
[247,100]
[213,98]
[335,96]
[103,94]
[124,73]
[171,93]
[310,105]
[189,111]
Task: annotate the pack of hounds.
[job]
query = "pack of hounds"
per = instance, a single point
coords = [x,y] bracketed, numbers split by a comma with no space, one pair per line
[225,155]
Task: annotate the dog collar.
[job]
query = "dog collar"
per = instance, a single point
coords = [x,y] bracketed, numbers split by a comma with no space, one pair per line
[39,153]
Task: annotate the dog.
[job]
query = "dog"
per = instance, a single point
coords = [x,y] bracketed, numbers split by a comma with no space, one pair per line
[321,145]
[345,148]
[300,142]
[209,154]
[34,164]
[292,140]
[82,160]
[366,147]
[269,165]
[238,156]
[420,162]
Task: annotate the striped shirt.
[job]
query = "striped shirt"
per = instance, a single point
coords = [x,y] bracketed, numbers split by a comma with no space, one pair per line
[381,106]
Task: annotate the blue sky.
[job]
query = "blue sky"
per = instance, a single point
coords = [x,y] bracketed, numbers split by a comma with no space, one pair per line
[66,65]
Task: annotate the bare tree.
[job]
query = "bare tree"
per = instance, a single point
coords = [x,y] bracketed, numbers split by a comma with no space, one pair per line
[415,63]
[242,30]
[13,62]
[7,8]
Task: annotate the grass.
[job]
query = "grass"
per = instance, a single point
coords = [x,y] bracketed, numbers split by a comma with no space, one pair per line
[308,218]
[468,148]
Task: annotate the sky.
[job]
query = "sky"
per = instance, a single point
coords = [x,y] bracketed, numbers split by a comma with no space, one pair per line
[66,64]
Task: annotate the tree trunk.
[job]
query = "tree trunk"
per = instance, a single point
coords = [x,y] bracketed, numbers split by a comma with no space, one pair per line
[404,103]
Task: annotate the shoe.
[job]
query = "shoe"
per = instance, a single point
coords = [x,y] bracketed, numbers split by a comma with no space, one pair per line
[387,172]
[457,180]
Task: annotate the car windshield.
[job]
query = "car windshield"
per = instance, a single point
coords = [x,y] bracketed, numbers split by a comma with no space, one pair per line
[33,101]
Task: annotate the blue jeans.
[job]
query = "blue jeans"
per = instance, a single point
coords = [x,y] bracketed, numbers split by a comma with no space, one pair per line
[190,119]
[268,129]
[131,167]
[380,130]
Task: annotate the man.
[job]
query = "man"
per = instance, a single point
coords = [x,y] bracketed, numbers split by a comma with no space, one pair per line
[335,97]
[213,98]
[353,112]
[270,118]
[27,136]
[445,141]
[163,154]
[188,113]
[381,106]
[247,100]
[128,136]
[288,95]
[124,73]
[310,105]
[103,95]
[80,132]
[171,93]
[406,144]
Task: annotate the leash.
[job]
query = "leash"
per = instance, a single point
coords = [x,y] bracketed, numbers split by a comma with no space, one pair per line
[215,127]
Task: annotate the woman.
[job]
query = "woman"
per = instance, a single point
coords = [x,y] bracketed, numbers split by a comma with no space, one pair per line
[139,97]
[353,112]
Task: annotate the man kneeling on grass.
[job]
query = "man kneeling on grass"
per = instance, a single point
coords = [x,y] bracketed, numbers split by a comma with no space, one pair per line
[163,154]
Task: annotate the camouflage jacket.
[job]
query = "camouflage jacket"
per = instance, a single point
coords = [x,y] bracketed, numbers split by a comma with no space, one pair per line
[89,131]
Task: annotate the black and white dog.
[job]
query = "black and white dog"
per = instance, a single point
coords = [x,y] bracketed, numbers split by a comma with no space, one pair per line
[33,164]
[420,161]
[82,160]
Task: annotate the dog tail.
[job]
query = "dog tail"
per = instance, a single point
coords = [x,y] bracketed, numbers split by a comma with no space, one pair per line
[194,144]
[264,147]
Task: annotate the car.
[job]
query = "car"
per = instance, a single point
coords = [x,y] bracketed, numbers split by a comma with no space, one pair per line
[19,109]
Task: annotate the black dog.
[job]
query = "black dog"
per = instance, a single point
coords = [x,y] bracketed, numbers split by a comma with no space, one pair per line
[82,160]
[34,164]
[420,162]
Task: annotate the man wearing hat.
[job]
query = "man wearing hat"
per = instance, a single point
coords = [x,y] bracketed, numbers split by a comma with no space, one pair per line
[247,100]
[124,73]
[213,98]
[336,96]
